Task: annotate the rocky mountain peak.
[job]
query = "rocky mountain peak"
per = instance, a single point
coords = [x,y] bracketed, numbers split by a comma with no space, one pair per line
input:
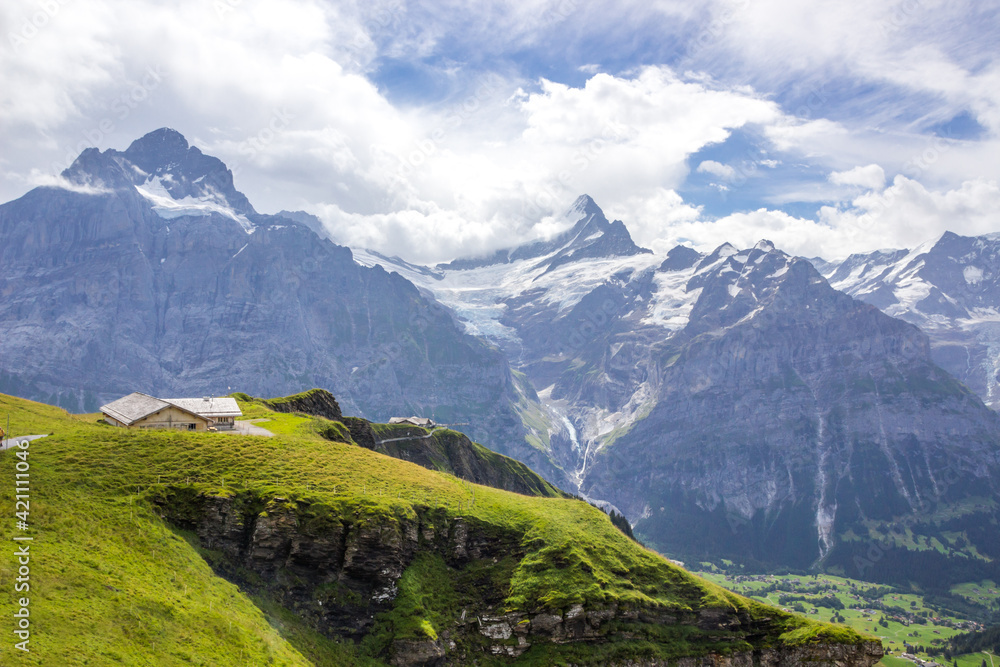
[680,258]
[158,147]
[174,177]
[585,207]
[590,235]
[723,251]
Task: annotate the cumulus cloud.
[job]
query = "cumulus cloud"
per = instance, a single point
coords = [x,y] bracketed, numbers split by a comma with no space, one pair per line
[871,177]
[907,212]
[288,94]
[723,171]
[901,216]
[619,139]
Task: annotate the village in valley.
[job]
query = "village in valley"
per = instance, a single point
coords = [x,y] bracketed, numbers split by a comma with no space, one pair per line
[914,628]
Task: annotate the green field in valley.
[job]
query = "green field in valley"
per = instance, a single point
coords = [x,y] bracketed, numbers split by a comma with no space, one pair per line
[906,621]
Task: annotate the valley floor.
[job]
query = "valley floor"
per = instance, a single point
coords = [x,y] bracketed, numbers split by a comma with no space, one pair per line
[901,619]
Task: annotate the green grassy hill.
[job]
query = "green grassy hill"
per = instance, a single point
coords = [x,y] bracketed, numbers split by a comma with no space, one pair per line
[439,448]
[114,582]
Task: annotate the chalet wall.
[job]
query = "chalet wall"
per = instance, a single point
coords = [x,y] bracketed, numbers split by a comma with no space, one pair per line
[173,418]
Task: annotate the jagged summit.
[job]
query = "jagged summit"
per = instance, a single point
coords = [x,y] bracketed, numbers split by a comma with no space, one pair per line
[165,142]
[679,258]
[175,178]
[585,206]
[591,235]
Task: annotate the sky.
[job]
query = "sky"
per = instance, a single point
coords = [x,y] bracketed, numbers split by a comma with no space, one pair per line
[437,129]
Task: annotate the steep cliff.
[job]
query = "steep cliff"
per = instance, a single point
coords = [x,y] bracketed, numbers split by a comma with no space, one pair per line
[420,587]
[789,417]
[315,402]
[452,452]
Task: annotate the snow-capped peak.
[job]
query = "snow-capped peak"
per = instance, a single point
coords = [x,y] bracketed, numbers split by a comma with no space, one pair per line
[168,208]
[177,179]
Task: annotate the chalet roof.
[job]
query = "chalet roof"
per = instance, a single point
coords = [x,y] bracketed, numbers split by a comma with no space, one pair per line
[416,421]
[212,407]
[130,409]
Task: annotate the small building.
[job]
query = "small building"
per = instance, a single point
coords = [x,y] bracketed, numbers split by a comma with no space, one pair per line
[422,422]
[138,410]
[222,410]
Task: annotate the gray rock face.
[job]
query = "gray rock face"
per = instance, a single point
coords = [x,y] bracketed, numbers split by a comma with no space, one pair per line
[949,288]
[787,414]
[180,288]
[453,453]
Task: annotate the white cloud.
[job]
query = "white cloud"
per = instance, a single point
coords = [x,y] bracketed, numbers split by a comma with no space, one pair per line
[871,177]
[901,216]
[907,213]
[490,164]
[723,171]
[620,139]
[42,179]
[929,47]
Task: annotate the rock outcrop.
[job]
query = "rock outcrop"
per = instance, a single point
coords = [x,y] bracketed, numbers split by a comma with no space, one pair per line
[453,452]
[341,571]
[315,402]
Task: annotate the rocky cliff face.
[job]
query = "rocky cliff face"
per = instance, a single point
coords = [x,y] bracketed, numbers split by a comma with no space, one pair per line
[950,288]
[151,272]
[452,452]
[343,571]
[315,402]
[787,415]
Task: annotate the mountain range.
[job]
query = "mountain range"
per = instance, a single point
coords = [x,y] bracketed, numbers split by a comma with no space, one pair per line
[732,403]
[950,288]
[149,271]
[741,403]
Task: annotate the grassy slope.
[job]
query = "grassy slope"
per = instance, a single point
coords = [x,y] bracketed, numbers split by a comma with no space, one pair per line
[441,442]
[112,584]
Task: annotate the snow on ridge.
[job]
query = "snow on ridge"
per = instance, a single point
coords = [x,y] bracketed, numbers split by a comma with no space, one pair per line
[475,294]
[727,250]
[568,284]
[903,264]
[672,303]
[168,208]
[780,272]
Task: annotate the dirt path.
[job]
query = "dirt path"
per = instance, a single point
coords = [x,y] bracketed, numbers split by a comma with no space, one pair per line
[246,428]
[12,442]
